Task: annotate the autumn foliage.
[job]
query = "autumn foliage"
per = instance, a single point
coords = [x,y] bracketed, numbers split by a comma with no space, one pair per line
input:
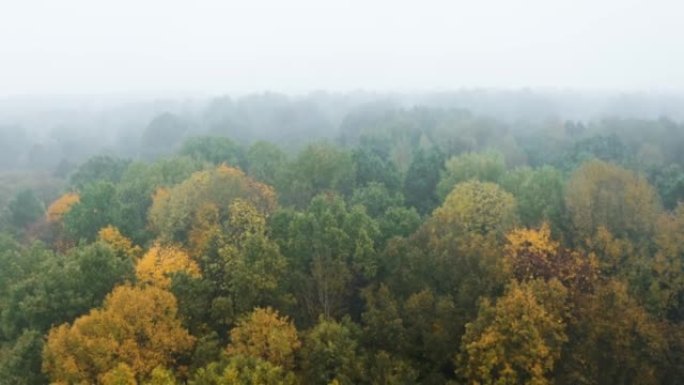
[135,331]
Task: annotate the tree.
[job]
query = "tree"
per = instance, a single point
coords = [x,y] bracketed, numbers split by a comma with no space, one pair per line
[476,208]
[266,162]
[318,168]
[163,135]
[243,370]
[20,362]
[517,340]
[372,166]
[330,353]
[667,285]
[214,150]
[59,287]
[25,209]
[99,168]
[383,327]
[117,241]
[532,254]
[485,167]
[58,208]
[613,340]
[241,266]
[159,262]
[421,180]
[136,327]
[539,194]
[376,198]
[265,335]
[175,210]
[133,196]
[95,210]
[600,194]
[330,246]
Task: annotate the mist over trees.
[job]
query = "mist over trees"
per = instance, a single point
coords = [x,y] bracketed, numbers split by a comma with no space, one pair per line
[473,237]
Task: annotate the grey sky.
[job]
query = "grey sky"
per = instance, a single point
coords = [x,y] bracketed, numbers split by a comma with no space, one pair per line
[137,46]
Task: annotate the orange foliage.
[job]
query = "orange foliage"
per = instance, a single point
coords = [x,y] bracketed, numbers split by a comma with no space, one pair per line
[61,206]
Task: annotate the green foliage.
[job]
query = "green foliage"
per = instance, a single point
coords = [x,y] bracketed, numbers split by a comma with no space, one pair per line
[214,150]
[331,353]
[376,198]
[267,163]
[421,180]
[20,361]
[243,370]
[95,210]
[319,167]
[59,287]
[539,194]
[485,167]
[374,167]
[25,209]
[99,168]
[330,245]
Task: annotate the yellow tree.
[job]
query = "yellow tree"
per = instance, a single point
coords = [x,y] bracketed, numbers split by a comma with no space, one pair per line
[518,339]
[159,262]
[137,327]
[113,237]
[61,206]
[601,194]
[266,335]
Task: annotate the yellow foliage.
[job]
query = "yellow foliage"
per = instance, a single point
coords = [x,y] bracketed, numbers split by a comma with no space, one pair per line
[531,240]
[531,254]
[265,335]
[160,261]
[600,194]
[518,340]
[61,206]
[113,237]
[122,374]
[206,226]
[175,212]
[137,327]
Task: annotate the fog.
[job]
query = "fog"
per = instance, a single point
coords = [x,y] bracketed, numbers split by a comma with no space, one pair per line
[162,48]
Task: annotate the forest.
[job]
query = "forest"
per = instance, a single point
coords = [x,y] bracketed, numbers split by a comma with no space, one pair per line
[339,239]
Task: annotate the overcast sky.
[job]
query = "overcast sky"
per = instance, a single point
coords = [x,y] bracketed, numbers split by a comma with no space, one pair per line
[201,46]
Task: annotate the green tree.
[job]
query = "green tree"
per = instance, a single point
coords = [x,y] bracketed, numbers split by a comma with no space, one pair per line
[214,150]
[331,353]
[485,167]
[267,163]
[318,167]
[99,168]
[421,180]
[25,209]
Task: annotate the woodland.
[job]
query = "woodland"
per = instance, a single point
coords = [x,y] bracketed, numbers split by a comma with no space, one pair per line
[336,241]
